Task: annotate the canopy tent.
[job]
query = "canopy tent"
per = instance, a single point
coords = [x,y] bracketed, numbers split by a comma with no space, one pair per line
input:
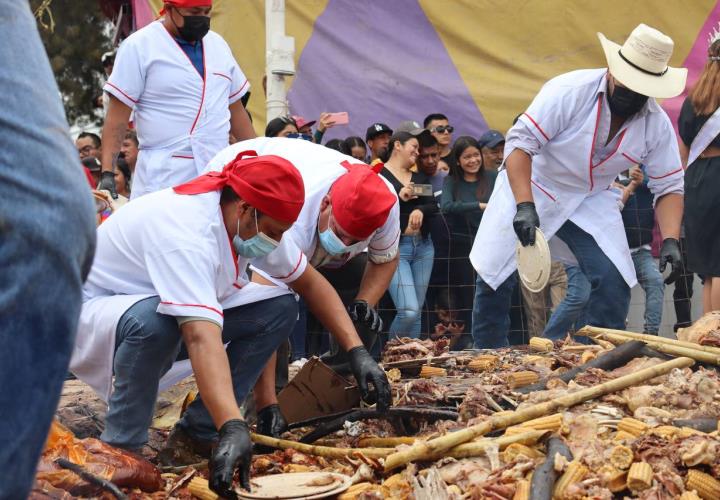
[478,61]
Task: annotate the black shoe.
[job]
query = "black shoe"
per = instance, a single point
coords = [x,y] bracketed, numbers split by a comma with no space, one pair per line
[182,449]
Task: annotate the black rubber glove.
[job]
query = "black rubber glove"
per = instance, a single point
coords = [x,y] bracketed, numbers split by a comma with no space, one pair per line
[365,370]
[525,221]
[270,421]
[361,312]
[670,253]
[233,451]
[107,182]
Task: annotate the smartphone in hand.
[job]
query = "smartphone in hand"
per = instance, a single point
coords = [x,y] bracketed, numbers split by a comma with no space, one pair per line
[341,118]
[422,189]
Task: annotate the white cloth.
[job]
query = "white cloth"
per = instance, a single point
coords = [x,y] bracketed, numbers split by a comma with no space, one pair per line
[165,244]
[565,130]
[182,119]
[319,167]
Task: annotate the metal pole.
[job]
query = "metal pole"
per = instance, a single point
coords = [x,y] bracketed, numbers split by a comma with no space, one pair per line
[279,51]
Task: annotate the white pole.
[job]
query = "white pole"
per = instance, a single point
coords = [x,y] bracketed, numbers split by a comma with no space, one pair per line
[279,52]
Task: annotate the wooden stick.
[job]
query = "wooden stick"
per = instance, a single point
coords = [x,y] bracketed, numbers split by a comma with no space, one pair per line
[386,442]
[589,330]
[434,447]
[92,478]
[675,350]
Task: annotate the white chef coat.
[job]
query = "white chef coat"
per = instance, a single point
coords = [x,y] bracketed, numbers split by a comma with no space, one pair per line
[319,167]
[165,244]
[564,130]
[182,118]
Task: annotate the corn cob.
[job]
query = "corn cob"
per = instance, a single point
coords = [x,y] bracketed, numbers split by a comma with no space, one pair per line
[689,495]
[548,423]
[520,379]
[587,356]
[617,482]
[199,488]
[516,449]
[624,436]
[689,431]
[706,486]
[483,363]
[541,344]
[522,490]
[355,490]
[632,426]
[575,472]
[665,431]
[432,371]
[640,476]
[621,457]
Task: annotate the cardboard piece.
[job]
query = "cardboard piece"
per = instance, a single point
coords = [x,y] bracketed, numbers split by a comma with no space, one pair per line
[315,391]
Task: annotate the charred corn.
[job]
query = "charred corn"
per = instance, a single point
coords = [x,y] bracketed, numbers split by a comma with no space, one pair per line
[575,472]
[428,371]
[548,423]
[640,476]
[199,488]
[541,344]
[587,356]
[632,426]
[521,379]
[689,495]
[522,490]
[621,457]
[706,486]
[516,449]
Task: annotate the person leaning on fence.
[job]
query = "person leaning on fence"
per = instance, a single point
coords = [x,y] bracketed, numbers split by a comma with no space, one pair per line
[579,133]
[410,281]
[465,194]
[699,128]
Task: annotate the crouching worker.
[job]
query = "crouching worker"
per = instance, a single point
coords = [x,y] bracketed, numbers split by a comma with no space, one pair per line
[169,282]
[339,256]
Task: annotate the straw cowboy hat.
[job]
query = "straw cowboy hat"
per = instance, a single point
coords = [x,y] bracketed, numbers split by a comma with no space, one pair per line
[641,64]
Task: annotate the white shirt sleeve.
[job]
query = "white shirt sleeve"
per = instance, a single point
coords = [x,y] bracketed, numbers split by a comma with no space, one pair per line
[383,246]
[185,281]
[127,80]
[286,263]
[662,163]
[240,84]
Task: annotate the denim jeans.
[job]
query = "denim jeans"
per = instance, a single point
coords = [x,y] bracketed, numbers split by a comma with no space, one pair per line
[491,313]
[47,238]
[651,281]
[147,344]
[609,300]
[570,313]
[409,284]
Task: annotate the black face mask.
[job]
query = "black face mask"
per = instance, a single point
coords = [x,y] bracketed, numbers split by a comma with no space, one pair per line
[625,102]
[194,28]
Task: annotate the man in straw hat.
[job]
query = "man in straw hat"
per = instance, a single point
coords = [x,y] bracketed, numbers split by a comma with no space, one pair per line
[169,283]
[347,236]
[562,155]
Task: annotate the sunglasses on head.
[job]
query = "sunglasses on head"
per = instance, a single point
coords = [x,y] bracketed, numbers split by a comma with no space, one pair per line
[442,129]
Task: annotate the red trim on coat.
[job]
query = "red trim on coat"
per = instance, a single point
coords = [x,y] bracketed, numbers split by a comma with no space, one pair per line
[637,162]
[622,136]
[541,189]
[202,98]
[183,156]
[241,89]
[592,145]
[538,126]
[291,272]
[121,91]
[193,305]
[223,75]
[666,175]
[391,244]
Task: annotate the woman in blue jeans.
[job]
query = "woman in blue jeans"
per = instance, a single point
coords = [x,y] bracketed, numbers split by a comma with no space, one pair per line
[410,281]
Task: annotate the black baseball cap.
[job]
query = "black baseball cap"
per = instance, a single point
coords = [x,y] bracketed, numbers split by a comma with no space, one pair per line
[376,129]
[491,138]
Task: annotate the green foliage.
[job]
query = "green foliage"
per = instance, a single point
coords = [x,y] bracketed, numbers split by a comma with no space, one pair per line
[80,36]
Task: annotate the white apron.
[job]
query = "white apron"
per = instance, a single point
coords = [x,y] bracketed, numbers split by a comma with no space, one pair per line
[568,183]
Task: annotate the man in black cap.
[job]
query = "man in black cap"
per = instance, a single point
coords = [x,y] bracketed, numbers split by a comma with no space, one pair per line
[492,145]
[377,138]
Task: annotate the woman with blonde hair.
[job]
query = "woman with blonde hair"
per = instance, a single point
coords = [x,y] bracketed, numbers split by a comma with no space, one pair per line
[699,128]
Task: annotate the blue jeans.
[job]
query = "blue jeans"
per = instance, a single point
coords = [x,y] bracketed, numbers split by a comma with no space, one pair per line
[491,313]
[147,344]
[652,284]
[570,313]
[47,239]
[609,300]
[409,284]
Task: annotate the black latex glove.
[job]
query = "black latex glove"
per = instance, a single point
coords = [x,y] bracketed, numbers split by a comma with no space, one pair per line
[233,451]
[525,221]
[670,254]
[270,421]
[361,312]
[107,182]
[365,370]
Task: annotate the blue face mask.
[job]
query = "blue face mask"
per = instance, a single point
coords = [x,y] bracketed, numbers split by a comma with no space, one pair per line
[258,246]
[334,245]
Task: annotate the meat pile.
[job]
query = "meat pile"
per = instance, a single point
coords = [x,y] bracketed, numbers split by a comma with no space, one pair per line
[405,349]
